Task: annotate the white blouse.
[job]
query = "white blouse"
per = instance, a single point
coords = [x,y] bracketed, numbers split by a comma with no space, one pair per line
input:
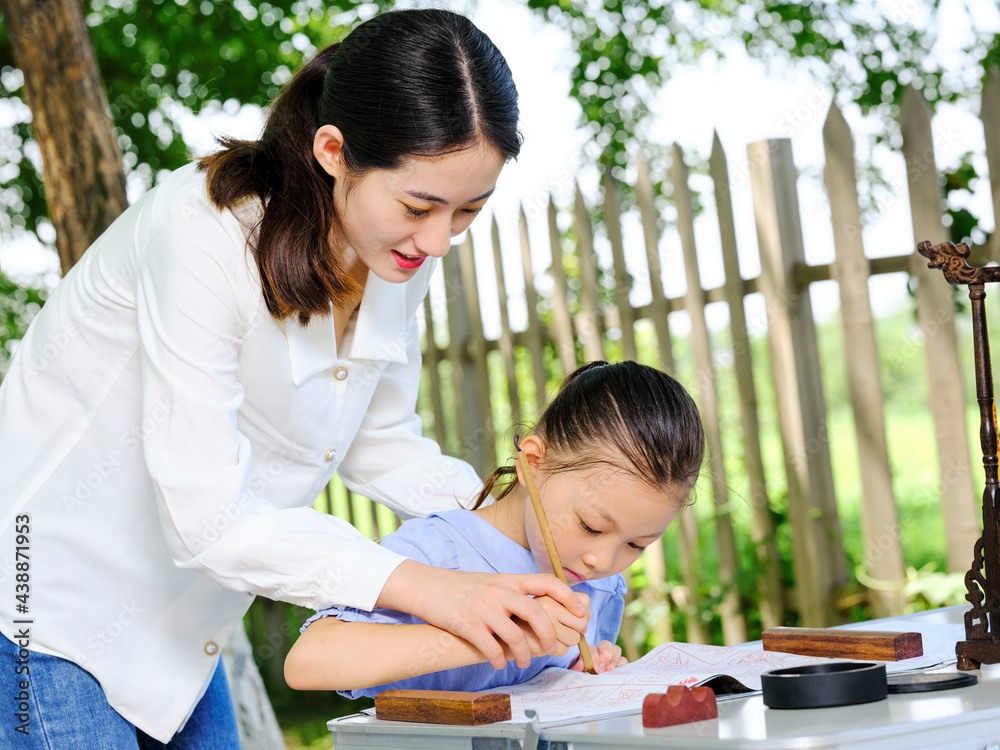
[165,439]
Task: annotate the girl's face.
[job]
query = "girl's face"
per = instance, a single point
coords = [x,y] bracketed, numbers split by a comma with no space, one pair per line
[392,220]
[601,518]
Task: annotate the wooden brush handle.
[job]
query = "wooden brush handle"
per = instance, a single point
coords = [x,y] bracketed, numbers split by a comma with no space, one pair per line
[543,522]
[550,545]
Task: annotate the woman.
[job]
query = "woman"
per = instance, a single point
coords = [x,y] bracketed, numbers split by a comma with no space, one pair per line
[235,337]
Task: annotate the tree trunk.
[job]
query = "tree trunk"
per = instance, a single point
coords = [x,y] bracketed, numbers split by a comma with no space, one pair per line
[82,165]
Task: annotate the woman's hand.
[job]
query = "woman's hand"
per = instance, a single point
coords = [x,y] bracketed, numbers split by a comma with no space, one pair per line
[480,608]
[566,635]
[606,657]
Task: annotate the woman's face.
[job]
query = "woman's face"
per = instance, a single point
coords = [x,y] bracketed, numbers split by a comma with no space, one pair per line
[602,518]
[392,220]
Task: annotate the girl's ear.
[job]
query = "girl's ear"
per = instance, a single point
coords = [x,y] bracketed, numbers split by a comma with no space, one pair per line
[328,148]
[534,448]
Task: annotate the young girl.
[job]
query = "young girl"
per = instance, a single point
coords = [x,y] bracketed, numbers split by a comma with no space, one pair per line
[614,457]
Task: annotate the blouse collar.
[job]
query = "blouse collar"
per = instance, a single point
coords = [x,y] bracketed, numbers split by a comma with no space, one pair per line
[379,333]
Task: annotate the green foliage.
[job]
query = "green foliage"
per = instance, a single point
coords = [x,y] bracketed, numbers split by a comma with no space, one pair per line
[155,56]
[867,52]
[619,64]
[161,59]
[18,305]
[926,588]
[303,716]
[959,184]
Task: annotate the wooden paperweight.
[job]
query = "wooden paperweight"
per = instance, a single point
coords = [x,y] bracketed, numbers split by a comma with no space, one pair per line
[442,706]
[834,643]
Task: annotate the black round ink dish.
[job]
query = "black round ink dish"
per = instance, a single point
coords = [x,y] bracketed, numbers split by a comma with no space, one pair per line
[824,685]
[926,683]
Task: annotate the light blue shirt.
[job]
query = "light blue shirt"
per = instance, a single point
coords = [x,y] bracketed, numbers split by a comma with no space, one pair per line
[461,540]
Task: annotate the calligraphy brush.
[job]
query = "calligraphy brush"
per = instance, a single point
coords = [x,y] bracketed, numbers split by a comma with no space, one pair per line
[550,544]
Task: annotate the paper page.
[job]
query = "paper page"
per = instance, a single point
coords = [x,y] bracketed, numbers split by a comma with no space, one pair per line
[563,696]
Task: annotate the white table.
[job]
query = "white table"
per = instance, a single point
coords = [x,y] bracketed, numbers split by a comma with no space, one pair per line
[959,719]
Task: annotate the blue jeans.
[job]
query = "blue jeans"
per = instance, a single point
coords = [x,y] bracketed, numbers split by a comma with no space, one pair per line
[67,710]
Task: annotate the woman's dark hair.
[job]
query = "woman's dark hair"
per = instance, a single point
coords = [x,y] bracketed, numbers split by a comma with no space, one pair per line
[404,83]
[613,413]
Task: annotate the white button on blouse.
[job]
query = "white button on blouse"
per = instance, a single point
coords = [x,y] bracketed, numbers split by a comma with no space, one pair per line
[163,433]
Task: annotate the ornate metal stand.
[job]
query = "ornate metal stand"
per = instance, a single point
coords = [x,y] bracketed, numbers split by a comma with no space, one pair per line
[982,622]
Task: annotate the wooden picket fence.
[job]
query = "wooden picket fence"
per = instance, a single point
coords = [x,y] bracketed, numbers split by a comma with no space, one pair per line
[475,387]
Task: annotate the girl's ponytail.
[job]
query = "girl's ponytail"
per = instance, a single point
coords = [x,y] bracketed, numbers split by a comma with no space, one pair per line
[504,475]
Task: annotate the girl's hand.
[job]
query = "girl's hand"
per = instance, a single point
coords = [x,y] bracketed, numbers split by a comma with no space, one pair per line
[606,657]
[479,608]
